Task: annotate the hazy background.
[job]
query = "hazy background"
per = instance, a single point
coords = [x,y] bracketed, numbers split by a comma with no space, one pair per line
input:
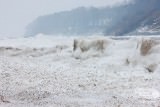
[15,15]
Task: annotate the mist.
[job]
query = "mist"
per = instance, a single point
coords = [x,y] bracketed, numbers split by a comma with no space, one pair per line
[17,14]
[131,18]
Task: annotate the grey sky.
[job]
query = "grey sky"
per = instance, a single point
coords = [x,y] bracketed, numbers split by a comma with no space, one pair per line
[16,14]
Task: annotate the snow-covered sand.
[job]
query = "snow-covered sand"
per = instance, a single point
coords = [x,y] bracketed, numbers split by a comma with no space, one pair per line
[42,71]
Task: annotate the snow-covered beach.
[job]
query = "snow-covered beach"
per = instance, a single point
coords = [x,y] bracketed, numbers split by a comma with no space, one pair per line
[42,71]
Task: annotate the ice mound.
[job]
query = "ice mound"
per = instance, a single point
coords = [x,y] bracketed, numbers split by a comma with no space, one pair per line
[59,72]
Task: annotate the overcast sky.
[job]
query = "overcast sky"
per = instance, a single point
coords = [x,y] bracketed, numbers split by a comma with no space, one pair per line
[16,14]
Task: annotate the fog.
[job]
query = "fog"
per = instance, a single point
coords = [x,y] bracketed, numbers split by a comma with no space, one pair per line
[140,17]
[16,15]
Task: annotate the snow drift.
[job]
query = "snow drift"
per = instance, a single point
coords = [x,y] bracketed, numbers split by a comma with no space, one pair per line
[43,72]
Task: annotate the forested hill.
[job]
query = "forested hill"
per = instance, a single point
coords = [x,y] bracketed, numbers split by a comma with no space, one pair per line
[138,17]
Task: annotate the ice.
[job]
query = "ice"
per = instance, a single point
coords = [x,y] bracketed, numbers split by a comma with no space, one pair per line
[42,71]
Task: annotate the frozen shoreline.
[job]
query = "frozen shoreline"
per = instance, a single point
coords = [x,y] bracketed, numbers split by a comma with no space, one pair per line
[42,71]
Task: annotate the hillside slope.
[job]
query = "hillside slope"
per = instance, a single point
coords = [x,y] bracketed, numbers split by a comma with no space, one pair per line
[132,18]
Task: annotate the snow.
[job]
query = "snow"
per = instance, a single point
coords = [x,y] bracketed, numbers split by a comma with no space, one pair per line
[42,71]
